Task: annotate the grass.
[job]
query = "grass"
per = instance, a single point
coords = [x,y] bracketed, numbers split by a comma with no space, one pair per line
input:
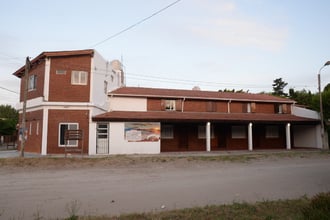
[316,208]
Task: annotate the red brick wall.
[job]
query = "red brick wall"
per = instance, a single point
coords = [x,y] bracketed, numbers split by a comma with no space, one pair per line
[265,108]
[60,88]
[34,122]
[66,116]
[39,71]
[236,107]
[154,104]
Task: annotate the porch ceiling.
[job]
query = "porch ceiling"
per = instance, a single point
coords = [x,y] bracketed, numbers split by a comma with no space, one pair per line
[175,116]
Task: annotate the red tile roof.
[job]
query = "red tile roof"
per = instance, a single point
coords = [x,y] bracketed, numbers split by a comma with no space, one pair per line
[43,55]
[195,94]
[174,116]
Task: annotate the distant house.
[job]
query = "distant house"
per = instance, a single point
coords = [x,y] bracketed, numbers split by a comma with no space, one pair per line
[79,89]
[65,90]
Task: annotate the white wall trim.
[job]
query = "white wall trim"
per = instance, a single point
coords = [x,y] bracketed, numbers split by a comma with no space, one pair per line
[44,140]
[46,79]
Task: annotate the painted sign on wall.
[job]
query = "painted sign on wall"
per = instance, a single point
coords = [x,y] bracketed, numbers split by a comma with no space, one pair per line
[142,131]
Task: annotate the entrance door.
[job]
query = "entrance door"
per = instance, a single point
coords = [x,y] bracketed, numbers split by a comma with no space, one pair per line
[102,138]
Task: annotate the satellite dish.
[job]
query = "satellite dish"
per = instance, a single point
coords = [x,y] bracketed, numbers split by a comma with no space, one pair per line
[196,88]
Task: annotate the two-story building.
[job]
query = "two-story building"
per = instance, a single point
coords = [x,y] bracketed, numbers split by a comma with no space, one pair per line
[149,120]
[81,90]
[65,89]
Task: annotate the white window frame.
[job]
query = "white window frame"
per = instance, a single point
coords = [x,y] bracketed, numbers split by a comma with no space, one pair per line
[272,131]
[71,126]
[170,105]
[167,132]
[79,77]
[202,132]
[238,132]
[32,85]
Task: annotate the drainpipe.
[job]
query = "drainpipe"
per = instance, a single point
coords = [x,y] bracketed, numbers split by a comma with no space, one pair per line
[228,106]
[182,104]
[208,136]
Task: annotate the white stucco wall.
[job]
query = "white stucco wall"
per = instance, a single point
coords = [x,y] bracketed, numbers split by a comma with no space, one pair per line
[306,113]
[128,104]
[307,136]
[101,71]
[118,144]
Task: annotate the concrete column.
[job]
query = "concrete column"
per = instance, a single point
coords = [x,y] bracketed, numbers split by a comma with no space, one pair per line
[288,136]
[250,137]
[208,136]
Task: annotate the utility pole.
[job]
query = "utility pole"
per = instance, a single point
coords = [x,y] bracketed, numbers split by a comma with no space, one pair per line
[26,84]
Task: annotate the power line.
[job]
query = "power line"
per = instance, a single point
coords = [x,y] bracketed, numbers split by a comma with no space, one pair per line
[8,90]
[136,24]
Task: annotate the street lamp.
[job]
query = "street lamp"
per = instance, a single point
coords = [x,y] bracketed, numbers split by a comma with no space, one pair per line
[321,105]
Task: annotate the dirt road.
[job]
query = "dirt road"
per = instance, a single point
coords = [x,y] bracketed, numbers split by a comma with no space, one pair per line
[25,193]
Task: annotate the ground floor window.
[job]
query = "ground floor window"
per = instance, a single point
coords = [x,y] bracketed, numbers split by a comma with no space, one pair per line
[272,131]
[167,132]
[202,132]
[238,132]
[62,128]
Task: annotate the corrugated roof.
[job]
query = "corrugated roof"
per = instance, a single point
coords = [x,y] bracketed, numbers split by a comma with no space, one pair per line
[174,116]
[43,55]
[195,94]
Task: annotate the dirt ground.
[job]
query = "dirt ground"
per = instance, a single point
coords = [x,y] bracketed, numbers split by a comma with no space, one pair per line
[56,187]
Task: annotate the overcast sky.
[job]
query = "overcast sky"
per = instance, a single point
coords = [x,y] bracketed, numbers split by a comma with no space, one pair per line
[213,44]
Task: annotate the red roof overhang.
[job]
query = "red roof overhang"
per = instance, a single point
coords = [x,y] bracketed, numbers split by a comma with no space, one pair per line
[167,116]
[20,72]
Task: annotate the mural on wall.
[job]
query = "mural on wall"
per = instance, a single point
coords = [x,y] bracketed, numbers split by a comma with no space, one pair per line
[142,131]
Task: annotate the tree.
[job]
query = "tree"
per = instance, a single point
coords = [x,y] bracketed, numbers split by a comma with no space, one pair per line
[278,87]
[8,120]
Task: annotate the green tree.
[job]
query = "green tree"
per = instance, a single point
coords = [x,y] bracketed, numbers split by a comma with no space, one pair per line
[8,119]
[278,87]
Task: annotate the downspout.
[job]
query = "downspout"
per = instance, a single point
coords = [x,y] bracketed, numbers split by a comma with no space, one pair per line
[182,104]
[228,106]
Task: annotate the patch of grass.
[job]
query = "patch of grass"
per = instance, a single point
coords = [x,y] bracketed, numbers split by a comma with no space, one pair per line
[266,210]
[319,207]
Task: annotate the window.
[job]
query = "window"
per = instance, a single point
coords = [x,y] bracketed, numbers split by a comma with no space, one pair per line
[238,132]
[202,132]
[170,105]
[79,78]
[105,85]
[62,128]
[60,72]
[272,131]
[32,83]
[167,132]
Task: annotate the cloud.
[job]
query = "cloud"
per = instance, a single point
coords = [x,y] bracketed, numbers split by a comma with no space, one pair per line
[236,32]
[227,23]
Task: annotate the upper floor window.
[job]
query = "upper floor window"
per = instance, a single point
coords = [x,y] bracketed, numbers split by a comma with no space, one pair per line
[79,78]
[32,83]
[170,105]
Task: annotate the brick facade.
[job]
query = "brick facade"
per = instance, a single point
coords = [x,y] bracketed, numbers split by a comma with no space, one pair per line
[66,116]
[60,88]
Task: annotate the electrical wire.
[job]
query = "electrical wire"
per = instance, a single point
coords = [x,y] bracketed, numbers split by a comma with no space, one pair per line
[8,90]
[135,24]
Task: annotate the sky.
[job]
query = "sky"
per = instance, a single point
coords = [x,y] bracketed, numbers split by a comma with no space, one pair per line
[213,44]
